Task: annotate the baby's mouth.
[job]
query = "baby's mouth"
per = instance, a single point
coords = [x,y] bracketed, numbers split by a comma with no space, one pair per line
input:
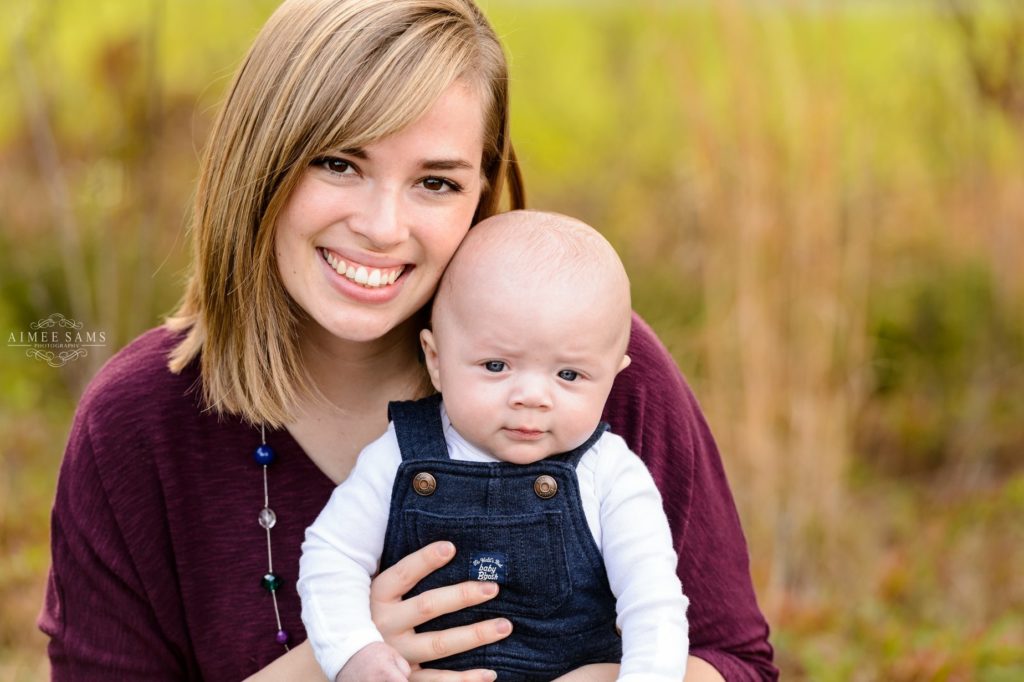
[524,433]
[371,278]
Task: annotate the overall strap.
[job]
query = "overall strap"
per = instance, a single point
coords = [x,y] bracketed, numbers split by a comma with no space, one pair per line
[573,456]
[419,428]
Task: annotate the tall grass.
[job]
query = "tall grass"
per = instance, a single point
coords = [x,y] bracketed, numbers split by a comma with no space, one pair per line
[822,213]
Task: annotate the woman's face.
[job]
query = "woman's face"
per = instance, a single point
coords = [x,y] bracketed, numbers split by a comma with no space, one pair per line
[362,241]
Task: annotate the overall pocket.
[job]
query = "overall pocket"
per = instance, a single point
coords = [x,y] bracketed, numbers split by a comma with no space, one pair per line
[524,553]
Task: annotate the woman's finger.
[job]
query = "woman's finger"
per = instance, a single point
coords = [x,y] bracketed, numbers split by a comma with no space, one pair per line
[431,604]
[430,646]
[430,675]
[392,583]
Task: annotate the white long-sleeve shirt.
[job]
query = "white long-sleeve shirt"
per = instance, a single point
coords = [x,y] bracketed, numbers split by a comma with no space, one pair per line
[623,511]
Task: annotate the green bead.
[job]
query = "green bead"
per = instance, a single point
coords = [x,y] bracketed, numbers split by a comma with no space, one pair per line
[271,582]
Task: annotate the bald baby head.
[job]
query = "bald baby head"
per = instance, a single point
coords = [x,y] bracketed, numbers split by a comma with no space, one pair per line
[538,258]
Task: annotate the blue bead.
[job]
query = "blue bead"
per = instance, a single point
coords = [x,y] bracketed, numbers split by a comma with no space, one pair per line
[282,637]
[264,455]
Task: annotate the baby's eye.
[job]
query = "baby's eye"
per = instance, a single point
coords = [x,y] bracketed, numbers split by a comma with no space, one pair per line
[568,375]
[494,365]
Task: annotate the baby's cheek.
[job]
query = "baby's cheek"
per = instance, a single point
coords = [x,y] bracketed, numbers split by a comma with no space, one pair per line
[583,423]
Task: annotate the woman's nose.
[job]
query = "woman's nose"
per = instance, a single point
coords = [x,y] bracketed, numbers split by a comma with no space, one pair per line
[381,220]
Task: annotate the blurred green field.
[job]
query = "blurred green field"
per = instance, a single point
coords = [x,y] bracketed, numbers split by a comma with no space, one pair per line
[821,207]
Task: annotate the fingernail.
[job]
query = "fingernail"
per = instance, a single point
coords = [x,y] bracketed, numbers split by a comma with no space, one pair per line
[446,550]
[491,675]
[489,589]
[503,626]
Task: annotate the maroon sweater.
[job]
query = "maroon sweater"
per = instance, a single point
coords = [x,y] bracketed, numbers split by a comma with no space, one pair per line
[157,554]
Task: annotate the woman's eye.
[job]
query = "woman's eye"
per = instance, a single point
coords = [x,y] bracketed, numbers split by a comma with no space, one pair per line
[334,165]
[568,375]
[494,365]
[439,185]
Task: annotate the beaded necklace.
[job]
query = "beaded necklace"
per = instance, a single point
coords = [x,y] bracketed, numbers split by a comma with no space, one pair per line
[264,456]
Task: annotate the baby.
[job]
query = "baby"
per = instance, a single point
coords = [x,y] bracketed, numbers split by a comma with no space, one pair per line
[512,465]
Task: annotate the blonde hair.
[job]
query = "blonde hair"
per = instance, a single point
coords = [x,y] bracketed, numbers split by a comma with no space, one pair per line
[321,75]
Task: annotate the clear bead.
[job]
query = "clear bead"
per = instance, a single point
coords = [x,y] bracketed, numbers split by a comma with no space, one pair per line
[267,518]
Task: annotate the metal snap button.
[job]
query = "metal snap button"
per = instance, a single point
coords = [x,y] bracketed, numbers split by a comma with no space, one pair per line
[545,486]
[424,484]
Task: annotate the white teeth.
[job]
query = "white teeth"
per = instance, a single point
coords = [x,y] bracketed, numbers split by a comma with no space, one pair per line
[336,263]
[367,277]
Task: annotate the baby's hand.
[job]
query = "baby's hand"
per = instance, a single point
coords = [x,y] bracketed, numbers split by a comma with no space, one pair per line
[377,662]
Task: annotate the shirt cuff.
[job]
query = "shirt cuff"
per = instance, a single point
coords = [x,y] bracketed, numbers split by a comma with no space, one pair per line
[332,658]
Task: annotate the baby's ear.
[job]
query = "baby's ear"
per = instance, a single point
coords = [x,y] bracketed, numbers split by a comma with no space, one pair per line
[430,354]
[624,364]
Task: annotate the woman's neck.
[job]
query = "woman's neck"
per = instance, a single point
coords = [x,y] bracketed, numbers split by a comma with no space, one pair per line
[347,373]
[356,381]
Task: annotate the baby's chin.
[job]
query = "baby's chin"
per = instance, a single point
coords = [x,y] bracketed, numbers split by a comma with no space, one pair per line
[523,457]
[516,451]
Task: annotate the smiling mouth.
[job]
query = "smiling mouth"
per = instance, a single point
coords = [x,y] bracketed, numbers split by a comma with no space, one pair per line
[370,278]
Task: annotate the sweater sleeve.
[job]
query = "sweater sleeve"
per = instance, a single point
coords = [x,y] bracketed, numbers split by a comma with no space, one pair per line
[653,409]
[98,609]
[340,554]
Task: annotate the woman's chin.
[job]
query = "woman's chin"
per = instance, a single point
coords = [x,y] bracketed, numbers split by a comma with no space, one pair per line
[360,329]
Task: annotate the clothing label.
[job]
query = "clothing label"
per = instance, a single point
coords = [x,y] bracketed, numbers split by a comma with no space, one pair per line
[488,566]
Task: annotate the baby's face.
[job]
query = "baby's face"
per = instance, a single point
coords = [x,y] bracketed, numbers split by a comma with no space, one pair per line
[525,373]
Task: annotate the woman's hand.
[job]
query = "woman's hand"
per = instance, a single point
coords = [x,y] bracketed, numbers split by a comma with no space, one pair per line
[396,618]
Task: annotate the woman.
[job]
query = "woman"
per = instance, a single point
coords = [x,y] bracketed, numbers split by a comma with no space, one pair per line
[358,143]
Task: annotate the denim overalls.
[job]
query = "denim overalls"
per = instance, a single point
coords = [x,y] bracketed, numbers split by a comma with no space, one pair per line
[519,525]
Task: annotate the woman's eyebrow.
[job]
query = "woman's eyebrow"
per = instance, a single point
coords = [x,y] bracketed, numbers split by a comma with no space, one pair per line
[446,164]
[357,152]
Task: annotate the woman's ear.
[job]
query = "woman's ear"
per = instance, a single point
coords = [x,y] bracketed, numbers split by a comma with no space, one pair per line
[622,365]
[430,355]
